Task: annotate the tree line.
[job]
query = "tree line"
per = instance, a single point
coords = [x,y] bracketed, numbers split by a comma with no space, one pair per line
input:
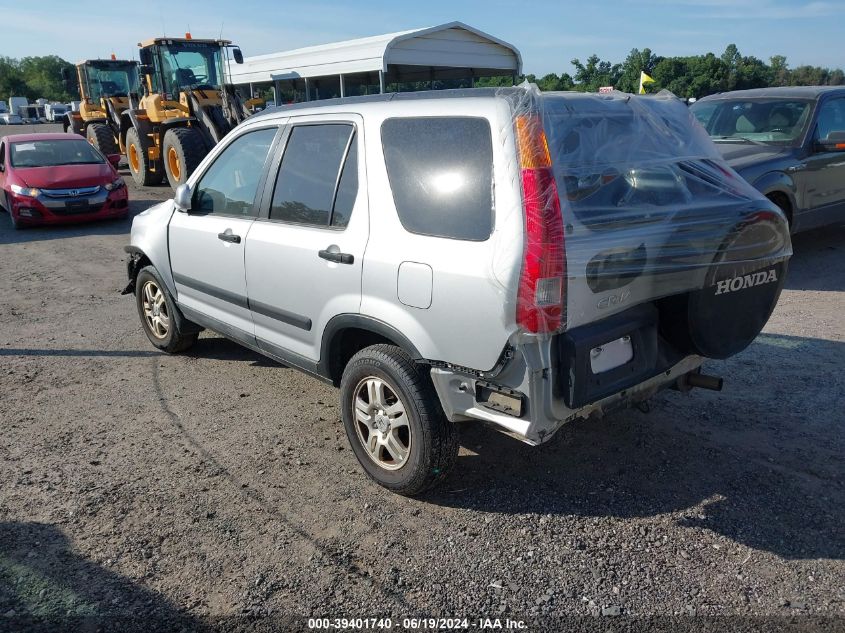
[691,76]
[33,78]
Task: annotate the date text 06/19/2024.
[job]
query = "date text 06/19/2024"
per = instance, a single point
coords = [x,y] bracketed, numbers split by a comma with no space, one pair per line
[415,624]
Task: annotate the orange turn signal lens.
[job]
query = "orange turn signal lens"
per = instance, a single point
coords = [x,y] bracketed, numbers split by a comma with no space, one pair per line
[533,146]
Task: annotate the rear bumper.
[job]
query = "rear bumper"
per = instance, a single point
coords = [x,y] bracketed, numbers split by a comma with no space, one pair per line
[543,416]
[551,381]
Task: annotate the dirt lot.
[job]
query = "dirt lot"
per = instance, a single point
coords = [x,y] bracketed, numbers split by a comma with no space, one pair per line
[218,487]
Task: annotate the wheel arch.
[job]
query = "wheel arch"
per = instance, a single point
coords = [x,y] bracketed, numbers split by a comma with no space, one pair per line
[346,334]
[137,260]
[149,246]
[777,185]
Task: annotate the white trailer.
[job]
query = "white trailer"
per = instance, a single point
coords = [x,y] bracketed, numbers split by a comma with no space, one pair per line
[54,112]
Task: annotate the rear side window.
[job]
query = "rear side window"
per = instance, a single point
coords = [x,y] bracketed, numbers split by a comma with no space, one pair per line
[441,174]
[317,181]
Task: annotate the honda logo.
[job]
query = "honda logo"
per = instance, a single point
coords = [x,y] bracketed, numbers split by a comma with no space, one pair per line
[746,281]
[74,192]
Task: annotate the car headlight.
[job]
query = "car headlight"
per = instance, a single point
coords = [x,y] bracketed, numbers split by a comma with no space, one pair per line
[115,184]
[29,192]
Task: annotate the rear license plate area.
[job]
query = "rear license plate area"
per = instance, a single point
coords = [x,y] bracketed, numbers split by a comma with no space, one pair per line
[600,359]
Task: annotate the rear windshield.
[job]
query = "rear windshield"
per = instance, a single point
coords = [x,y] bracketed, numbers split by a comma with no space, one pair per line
[53,153]
[620,161]
[588,130]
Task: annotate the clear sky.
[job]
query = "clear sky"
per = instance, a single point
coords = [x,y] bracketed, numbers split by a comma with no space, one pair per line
[549,34]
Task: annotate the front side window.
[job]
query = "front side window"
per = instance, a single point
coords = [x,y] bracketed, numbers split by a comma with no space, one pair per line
[831,118]
[317,181]
[441,174]
[229,186]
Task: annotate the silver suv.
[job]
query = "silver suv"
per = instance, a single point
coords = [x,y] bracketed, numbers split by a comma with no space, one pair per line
[510,256]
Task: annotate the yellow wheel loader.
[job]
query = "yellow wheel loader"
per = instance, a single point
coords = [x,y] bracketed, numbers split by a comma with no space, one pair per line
[186,107]
[107,87]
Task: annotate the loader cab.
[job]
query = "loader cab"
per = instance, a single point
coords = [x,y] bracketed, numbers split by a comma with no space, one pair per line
[186,108]
[97,79]
[173,66]
[104,79]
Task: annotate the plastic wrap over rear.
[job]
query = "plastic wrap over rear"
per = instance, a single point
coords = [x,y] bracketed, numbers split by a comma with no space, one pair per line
[649,209]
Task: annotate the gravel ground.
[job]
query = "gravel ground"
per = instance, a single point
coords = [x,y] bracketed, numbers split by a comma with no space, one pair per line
[218,488]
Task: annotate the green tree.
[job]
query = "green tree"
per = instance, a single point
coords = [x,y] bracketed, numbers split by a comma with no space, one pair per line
[780,70]
[637,61]
[12,82]
[44,77]
[595,73]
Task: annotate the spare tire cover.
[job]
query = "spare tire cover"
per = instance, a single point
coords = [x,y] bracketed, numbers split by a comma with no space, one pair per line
[741,289]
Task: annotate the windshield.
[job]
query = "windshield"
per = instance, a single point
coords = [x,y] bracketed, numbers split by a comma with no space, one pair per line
[106,79]
[54,153]
[188,65]
[776,121]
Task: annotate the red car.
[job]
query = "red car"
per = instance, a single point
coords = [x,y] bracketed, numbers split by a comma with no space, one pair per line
[58,178]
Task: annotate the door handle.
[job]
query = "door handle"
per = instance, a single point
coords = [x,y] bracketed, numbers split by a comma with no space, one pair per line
[339,258]
[229,237]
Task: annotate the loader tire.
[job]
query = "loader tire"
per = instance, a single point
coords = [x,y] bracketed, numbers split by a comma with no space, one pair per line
[139,162]
[184,149]
[101,137]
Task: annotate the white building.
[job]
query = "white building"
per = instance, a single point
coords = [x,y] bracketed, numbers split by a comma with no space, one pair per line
[448,53]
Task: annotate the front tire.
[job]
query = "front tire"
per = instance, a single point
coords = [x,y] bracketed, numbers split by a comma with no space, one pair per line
[161,320]
[139,162]
[394,421]
[7,205]
[184,149]
[101,137]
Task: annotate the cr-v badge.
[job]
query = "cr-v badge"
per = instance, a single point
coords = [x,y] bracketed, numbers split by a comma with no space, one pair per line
[614,300]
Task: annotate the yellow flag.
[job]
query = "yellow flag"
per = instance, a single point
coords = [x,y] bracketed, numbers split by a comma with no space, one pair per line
[644,79]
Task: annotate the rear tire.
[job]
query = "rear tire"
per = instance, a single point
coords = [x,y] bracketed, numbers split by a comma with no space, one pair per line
[394,421]
[101,137]
[139,162]
[161,319]
[184,149]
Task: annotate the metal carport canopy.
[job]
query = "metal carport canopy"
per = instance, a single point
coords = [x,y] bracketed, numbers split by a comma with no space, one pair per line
[448,46]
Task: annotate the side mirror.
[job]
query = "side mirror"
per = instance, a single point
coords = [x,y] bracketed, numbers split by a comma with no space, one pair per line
[114,159]
[834,142]
[238,55]
[182,197]
[145,69]
[146,56]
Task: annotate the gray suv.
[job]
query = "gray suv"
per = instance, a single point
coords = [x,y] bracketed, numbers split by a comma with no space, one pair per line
[509,256]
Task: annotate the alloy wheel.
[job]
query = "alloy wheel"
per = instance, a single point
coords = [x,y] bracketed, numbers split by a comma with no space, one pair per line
[382,424]
[155,310]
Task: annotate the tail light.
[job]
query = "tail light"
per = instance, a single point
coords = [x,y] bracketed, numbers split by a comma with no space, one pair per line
[542,281]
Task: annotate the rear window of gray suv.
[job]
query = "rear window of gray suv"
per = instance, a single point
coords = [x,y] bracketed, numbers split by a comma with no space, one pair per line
[441,174]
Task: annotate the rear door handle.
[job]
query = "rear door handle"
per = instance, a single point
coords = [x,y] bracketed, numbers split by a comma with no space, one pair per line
[228,236]
[340,258]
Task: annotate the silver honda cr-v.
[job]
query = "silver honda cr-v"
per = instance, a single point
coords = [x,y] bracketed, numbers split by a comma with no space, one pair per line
[510,256]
